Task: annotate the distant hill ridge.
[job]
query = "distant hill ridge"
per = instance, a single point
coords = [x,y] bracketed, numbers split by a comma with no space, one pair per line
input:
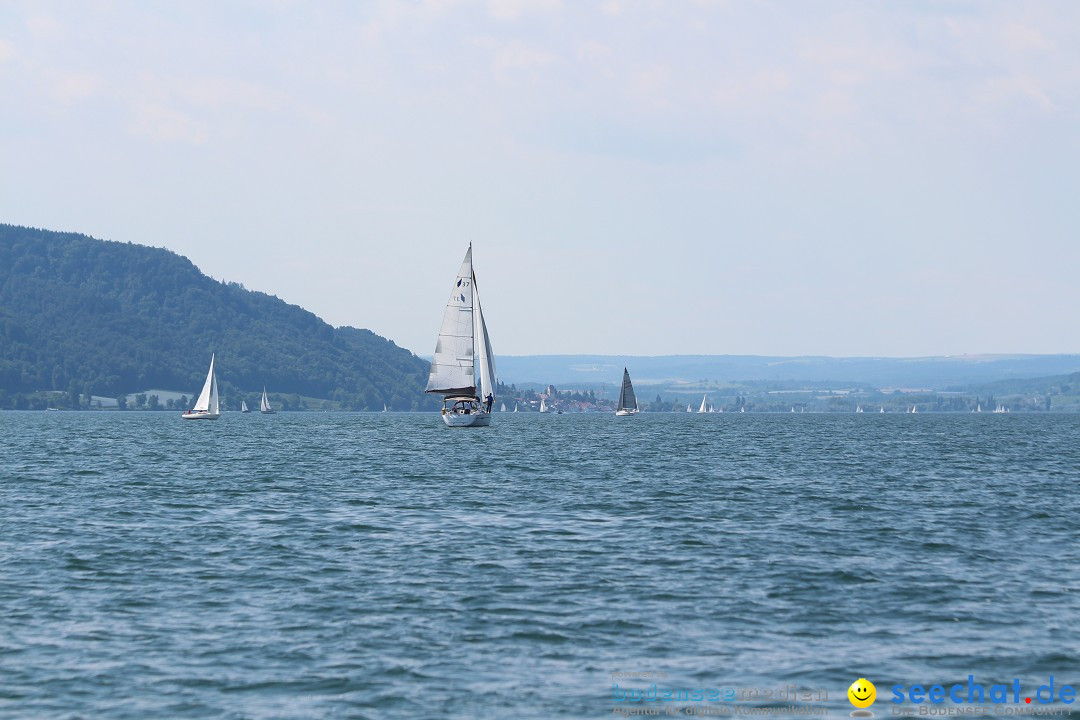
[79,314]
[943,372]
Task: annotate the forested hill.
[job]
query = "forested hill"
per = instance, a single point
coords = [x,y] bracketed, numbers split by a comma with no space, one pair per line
[83,315]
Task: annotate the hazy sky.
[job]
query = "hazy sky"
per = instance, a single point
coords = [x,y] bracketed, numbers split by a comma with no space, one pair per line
[840,178]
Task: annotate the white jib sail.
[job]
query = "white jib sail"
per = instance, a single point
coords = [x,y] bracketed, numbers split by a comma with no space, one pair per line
[483,347]
[452,369]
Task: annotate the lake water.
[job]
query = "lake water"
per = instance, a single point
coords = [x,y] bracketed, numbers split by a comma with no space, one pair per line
[384,566]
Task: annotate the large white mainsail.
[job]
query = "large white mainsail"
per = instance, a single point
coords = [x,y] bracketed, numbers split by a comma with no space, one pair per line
[208,398]
[452,368]
[462,351]
[264,404]
[206,406]
[627,400]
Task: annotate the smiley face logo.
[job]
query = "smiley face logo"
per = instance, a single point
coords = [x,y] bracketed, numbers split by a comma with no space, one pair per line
[862,693]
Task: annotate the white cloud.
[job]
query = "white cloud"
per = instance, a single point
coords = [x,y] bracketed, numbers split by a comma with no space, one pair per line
[167,124]
[753,89]
[611,7]
[1010,88]
[517,57]
[1023,38]
[43,26]
[652,85]
[71,86]
[219,92]
[515,9]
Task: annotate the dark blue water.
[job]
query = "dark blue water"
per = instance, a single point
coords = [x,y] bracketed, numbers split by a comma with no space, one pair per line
[383,566]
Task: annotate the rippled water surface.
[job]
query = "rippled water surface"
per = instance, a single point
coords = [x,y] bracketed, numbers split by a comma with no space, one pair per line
[376,566]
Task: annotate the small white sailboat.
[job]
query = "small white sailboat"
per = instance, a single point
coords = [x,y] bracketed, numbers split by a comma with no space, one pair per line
[858,408]
[704,408]
[627,400]
[882,409]
[385,408]
[264,404]
[502,408]
[914,409]
[689,408]
[543,406]
[742,409]
[462,352]
[244,407]
[207,406]
[515,407]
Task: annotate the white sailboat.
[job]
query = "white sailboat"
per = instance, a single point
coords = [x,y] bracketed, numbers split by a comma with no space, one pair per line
[264,404]
[689,408]
[502,408]
[462,352]
[858,408]
[515,407]
[207,406]
[543,406]
[627,400]
[243,406]
[882,409]
[703,408]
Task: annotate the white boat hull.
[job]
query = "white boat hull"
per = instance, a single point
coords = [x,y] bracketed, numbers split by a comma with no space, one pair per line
[478,419]
[624,413]
[200,416]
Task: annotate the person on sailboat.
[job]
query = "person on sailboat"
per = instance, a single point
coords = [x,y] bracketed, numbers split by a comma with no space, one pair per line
[490,400]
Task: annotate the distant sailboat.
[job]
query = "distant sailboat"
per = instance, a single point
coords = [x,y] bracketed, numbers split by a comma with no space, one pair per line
[627,400]
[207,406]
[689,408]
[244,407]
[515,407]
[462,352]
[742,409]
[882,409]
[384,408]
[914,409]
[502,408]
[264,404]
[858,408]
[543,406]
[704,408]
